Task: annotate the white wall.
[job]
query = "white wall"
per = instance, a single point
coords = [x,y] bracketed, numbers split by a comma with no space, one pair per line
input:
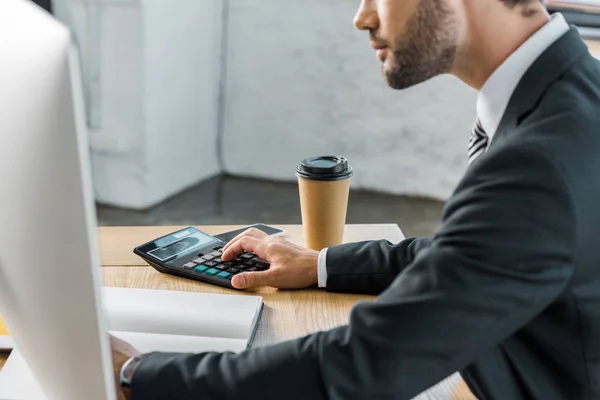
[302,81]
[151,75]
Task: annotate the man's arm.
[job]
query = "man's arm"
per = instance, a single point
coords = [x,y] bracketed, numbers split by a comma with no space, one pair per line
[368,267]
[504,252]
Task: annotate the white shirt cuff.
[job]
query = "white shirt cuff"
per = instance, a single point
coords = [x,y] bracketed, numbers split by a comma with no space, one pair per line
[322,268]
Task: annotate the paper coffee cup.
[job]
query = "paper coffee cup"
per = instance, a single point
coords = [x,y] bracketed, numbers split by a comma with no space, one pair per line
[324,184]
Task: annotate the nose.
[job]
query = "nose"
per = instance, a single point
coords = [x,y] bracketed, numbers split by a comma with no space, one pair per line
[366,18]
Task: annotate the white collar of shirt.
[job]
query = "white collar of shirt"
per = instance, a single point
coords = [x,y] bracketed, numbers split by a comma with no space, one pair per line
[498,89]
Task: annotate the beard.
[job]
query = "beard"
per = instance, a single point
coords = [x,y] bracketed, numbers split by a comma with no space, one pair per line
[427,48]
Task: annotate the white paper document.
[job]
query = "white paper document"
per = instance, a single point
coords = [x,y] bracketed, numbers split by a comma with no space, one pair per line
[157,320]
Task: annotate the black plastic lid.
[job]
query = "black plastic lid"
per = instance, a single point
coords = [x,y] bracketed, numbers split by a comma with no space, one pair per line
[325,168]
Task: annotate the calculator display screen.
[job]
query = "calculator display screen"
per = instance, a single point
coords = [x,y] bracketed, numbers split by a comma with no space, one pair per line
[180,244]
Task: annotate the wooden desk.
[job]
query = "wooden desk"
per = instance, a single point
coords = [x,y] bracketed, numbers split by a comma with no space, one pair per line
[117,243]
[594,46]
[288,313]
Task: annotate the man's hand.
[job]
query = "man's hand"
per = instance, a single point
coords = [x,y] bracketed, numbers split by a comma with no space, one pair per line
[121,352]
[292,266]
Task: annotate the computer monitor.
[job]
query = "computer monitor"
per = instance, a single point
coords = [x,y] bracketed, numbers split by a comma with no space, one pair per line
[49,263]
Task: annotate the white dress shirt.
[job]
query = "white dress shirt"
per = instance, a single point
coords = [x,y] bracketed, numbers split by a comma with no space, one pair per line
[496,92]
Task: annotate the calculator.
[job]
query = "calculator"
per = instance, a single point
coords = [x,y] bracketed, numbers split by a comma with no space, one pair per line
[193,254]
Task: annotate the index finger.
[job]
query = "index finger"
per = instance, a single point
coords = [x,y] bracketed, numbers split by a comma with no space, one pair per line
[244,244]
[252,232]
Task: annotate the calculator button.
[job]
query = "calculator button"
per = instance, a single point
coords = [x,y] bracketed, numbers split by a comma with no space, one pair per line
[223,275]
[218,248]
[199,260]
[189,265]
[210,263]
[212,271]
[247,256]
[227,264]
[200,268]
[216,253]
[218,260]
[233,270]
[200,254]
[252,269]
[259,264]
[220,266]
[249,263]
[208,257]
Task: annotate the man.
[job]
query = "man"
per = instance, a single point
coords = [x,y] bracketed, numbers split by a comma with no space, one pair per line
[507,291]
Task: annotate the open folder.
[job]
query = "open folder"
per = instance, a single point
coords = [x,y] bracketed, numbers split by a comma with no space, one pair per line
[159,320]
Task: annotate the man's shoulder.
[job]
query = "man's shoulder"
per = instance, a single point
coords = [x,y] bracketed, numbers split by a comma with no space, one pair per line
[558,141]
[565,124]
[570,104]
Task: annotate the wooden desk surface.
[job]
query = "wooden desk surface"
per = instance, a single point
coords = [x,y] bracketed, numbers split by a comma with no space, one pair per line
[117,243]
[287,314]
[594,46]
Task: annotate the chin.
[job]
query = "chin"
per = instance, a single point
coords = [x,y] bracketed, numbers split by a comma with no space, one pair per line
[392,77]
[387,72]
[399,78]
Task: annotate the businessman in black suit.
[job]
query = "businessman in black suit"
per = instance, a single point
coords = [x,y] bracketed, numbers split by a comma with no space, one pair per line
[507,291]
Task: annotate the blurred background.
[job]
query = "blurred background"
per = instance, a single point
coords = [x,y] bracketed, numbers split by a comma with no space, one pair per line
[200,110]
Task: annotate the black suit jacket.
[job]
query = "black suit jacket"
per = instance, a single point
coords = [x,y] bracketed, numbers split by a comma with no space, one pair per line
[507,291]
[45,4]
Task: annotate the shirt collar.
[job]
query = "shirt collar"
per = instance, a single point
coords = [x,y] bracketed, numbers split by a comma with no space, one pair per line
[498,89]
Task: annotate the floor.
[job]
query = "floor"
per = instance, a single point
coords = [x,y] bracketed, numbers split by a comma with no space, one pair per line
[227,200]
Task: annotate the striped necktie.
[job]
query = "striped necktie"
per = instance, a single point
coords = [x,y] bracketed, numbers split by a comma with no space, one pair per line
[478,143]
